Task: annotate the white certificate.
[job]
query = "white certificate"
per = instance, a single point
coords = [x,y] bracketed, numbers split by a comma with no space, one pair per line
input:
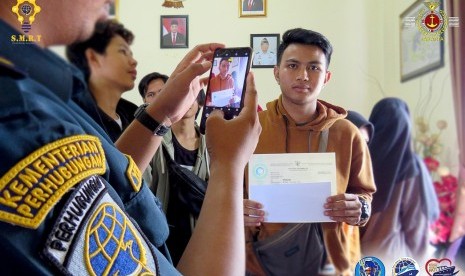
[293,187]
[222,98]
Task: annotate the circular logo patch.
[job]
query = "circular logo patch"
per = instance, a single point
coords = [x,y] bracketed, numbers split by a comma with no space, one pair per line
[405,267]
[370,266]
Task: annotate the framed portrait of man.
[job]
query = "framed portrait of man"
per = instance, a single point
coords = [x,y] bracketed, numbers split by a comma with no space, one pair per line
[252,8]
[265,49]
[174,31]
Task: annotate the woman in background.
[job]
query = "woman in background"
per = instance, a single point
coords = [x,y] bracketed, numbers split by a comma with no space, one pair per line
[405,203]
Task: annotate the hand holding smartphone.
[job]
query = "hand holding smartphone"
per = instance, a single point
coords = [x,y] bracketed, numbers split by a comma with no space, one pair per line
[226,83]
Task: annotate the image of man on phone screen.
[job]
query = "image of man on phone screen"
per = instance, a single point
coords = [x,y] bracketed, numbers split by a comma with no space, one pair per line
[221,85]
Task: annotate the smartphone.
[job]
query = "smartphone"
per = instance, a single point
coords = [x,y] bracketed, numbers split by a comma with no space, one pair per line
[226,83]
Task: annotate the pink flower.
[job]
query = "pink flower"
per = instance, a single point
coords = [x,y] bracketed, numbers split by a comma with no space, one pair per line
[446,193]
[431,163]
[450,182]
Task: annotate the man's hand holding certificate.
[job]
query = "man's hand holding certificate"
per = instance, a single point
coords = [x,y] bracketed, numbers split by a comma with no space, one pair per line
[294,187]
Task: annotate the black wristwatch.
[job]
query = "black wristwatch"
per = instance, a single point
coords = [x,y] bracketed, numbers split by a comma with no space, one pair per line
[145,119]
[366,211]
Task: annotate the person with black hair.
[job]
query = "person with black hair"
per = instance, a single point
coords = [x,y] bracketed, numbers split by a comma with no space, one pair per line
[365,127]
[150,85]
[221,81]
[72,201]
[174,37]
[405,189]
[109,68]
[299,122]
[187,147]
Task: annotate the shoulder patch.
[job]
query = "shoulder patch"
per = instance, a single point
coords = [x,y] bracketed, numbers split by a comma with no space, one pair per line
[94,236]
[133,174]
[36,183]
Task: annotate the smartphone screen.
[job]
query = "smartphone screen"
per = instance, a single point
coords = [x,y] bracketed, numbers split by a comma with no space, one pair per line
[226,83]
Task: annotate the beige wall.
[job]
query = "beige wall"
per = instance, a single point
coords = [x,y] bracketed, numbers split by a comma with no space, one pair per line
[364,34]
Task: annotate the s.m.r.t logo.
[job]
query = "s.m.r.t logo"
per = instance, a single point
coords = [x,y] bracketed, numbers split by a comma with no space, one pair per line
[26,10]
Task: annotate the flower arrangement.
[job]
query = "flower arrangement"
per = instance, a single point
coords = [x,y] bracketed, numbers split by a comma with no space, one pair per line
[428,144]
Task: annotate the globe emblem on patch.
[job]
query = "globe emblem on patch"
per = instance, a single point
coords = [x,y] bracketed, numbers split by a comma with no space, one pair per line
[405,267]
[113,245]
[26,9]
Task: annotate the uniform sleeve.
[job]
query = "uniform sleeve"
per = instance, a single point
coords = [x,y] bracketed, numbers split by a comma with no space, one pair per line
[31,118]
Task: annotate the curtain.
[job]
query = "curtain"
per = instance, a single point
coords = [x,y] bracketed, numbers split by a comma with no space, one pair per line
[457,63]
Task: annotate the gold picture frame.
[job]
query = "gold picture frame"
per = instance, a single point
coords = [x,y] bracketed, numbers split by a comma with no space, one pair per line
[252,8]
[114,10]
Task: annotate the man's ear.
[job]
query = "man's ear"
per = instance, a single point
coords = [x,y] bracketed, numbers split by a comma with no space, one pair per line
[327,77]
[92,58]
[276,73]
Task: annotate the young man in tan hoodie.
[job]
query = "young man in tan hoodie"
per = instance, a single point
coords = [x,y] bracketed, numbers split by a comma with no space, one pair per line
[293,123]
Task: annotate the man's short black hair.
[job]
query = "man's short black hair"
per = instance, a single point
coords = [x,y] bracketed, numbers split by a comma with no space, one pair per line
[174,22]
[144,82]
[103,33]
[228,59]
[306,37]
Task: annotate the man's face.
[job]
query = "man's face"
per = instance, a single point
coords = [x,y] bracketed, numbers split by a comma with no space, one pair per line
[174,28]
[224,67]
[153,89]
[117,65]
[302,73]
[77,19]
[265,47]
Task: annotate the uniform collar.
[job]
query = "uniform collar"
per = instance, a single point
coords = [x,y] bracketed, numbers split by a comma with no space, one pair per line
[42,65]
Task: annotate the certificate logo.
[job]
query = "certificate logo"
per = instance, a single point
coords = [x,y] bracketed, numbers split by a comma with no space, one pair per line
[260,171]
[405,267]
[442,267]
[370,266]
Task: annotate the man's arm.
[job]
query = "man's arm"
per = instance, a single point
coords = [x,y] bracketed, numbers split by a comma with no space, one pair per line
[177,96]
[354,207]
[219,234]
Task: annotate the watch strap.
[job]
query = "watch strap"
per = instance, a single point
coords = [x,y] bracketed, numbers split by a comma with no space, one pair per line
[145,119]
[366,211]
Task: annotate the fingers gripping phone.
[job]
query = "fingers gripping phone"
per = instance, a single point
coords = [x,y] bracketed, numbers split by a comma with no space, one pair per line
[226,83]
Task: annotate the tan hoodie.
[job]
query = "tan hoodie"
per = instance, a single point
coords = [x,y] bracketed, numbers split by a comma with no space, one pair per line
[280,134]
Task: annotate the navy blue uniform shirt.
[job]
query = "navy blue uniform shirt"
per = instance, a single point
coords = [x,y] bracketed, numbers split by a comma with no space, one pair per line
[70,202]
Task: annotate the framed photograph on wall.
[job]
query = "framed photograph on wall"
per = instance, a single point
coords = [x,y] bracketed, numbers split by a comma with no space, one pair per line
[252,8]
[418,53]
[114,10]
[265,49]
[174,31]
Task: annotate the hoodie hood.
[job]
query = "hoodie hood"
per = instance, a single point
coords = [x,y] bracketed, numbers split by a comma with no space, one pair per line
[328,114]
[304,137]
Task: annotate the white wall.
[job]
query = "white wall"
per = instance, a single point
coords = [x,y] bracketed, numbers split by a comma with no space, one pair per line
[429,95]
[364,34]
[350,25]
